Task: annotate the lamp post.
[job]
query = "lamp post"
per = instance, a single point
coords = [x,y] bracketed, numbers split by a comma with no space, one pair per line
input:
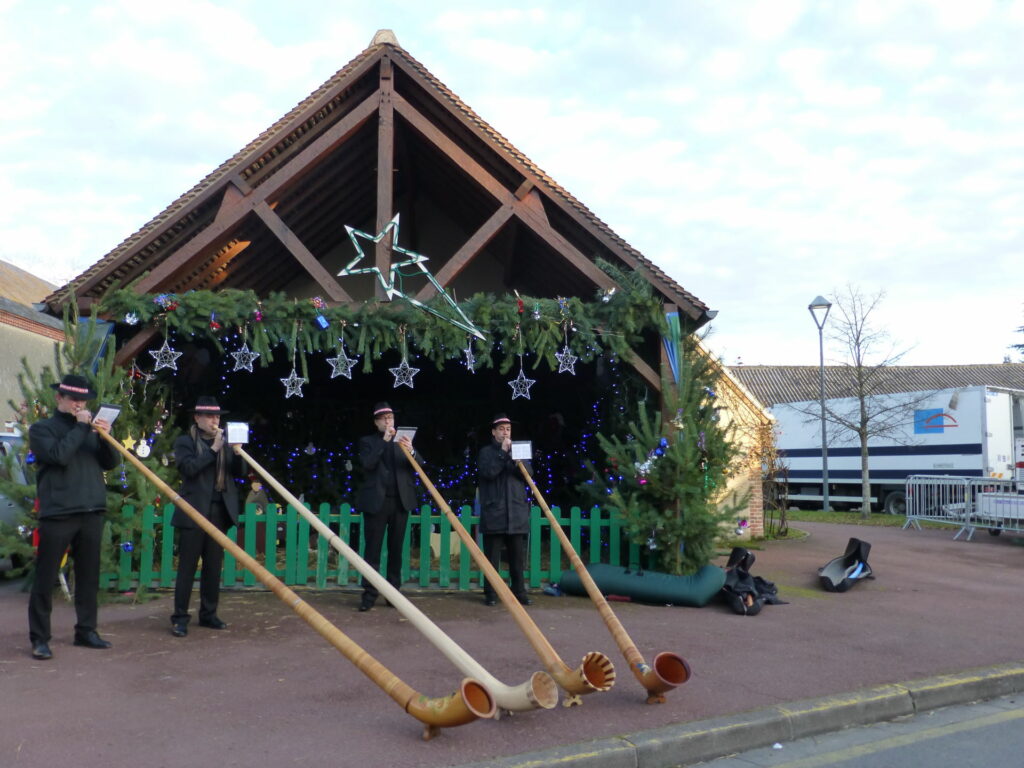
[819,311]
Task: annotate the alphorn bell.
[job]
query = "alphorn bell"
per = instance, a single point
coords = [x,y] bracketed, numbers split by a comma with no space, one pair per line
[595,673]
[470,702]
[669,670]
[539,692]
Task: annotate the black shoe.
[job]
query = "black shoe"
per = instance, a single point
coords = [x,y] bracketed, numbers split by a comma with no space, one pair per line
[179,629]
[524,600]
[91,640]
[213,623]
[41,651]
[490,601]
[366,604]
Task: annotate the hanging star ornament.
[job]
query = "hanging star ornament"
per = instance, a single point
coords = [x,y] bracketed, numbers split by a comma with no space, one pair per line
[342,364]
[165,357]
[521,385]
[413,260]
[403,374]
[293,384]
[470,358]
[566,360]
[244,358]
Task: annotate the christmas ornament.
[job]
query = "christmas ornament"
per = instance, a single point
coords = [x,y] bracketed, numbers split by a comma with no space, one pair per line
[342,364]
[403,374]
[131,318]
[414,260]
[30,458]
[167,301]
[143,450]
[606,296]
[566,360]
[348,465]
[165,357]
[520,384]
[470,358]
[319,304]
[127,546]
[244,358]
[214,325]
[293,384]
[129,442]
[310,449]
[165,461]
[257,314]
[536,311]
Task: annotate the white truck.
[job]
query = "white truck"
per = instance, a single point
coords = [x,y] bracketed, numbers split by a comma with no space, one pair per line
[967,432]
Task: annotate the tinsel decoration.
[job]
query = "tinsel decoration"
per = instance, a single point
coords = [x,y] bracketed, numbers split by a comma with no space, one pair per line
[470,357]
[132,318]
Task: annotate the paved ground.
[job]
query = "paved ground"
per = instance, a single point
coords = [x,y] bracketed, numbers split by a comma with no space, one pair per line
[271,692]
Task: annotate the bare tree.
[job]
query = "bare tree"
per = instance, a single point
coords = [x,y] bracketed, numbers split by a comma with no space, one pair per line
[877,411]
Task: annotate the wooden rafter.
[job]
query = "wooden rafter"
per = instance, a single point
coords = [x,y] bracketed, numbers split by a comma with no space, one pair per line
[232,212]
[385,170]
[476,243]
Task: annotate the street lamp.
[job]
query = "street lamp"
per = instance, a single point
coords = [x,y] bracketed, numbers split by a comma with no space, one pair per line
[819,311]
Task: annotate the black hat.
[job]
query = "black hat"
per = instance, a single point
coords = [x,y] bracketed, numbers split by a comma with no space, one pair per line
[381,409]
[75,387]
[207,406]
[500,418]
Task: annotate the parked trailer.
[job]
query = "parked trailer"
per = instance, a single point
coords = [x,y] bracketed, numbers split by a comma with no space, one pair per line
[969,432]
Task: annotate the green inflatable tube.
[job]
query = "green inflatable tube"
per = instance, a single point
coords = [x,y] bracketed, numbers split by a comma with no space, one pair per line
[695,590]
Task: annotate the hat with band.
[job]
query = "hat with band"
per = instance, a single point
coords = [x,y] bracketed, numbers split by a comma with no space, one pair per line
[75,387]
[207,405]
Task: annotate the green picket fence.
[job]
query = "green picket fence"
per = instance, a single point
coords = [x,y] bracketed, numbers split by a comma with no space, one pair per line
[290,548]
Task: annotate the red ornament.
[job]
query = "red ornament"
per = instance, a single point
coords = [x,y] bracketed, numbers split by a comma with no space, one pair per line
[519,302]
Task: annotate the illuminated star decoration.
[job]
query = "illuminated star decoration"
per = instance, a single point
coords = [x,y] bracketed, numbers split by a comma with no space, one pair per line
[520,384]
[566,360]
[470,358]
[293,384]
[342,364]
[414,259]
[244,358]
[165,357]
[403,374]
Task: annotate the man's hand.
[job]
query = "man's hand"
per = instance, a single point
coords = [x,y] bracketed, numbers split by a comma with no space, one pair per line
[389,433]
[404,440]
[102,424]
[83,416]
[506,444]
[218,440]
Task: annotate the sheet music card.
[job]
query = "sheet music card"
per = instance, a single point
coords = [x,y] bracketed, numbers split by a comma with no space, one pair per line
[237,433]
[522,450]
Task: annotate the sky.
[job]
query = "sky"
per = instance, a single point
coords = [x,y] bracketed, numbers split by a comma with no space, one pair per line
[761,153]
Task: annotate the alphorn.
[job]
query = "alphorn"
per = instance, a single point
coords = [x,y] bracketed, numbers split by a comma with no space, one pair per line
[539,691]
[470,702]
[669,670]
[595,673]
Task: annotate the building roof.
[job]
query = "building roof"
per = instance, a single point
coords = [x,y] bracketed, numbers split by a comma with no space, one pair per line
[22,287]
[773,384]
[435,126]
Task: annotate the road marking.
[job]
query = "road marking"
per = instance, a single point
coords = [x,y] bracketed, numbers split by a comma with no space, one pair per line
[841,755]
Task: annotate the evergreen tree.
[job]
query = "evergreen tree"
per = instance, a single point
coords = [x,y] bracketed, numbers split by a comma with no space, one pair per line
[667,477]
[144,420]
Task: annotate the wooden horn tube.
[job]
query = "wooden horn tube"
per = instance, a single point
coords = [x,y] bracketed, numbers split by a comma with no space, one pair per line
[595,673]
[539,692]
[669,670]
[470,702]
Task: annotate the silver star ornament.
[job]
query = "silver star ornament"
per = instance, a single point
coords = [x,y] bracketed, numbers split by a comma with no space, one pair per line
[521,385]
[342,365]
[165,357]
[293,384]
[403,374]
[566,360]
[244,358]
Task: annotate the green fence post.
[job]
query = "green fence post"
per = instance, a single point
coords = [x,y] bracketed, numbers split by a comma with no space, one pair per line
[575,526]
[249,521]
[535,544]
[124,559]
[345,522]
[595,535]
[555,548]
[426,521]
[229,574]
[302,550]
[272,515]
[167,570]
[323,547]
[404,572]
[614,537]
[291,545]
[466,559]
[444,560]
[146,547]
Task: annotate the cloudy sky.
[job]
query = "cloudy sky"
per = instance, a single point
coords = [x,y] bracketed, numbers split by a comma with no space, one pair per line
[762,153]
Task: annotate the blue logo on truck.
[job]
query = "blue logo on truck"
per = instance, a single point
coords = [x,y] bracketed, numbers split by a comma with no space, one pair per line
[928,421]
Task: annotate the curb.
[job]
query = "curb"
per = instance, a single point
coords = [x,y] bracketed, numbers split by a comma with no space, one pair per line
[687,743]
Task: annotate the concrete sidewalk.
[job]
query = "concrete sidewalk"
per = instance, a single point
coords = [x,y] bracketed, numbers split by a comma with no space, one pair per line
[269,692]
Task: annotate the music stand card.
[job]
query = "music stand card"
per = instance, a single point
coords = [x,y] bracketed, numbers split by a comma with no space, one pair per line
[401,432]
[107,413]
[237,433]
[522,450]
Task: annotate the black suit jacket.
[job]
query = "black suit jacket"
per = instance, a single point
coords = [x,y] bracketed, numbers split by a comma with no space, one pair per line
[373,490]
[198,470]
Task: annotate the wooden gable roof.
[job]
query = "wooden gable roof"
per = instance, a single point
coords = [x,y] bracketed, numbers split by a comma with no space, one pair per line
[381,136]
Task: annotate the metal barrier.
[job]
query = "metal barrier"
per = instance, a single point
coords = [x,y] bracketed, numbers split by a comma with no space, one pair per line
[968,502]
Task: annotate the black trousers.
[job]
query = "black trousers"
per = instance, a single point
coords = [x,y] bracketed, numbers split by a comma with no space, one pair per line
[389,520]
[194,543]
[83,533]
[515,545]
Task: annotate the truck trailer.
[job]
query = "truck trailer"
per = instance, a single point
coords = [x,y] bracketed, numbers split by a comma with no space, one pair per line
[966,432]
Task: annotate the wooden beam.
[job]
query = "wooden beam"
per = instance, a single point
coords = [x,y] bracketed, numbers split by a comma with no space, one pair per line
[645,370]
[525,209]
[135,345]
[204,280]
[231,214]
[295,247]
[476,243]
[385,172]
